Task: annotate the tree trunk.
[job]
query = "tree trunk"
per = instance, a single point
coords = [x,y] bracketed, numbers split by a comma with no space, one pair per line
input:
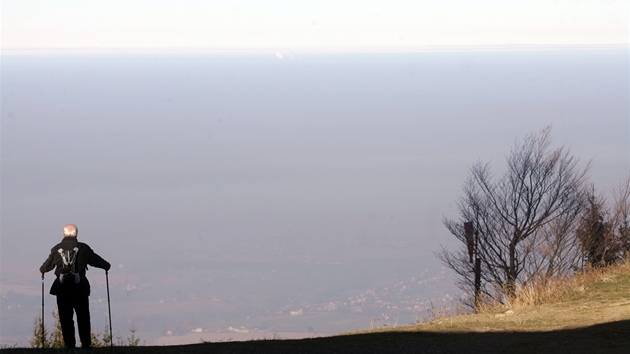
[510,285]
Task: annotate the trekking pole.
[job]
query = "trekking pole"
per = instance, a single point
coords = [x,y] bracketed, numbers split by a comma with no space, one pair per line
[109,310]
[42,330]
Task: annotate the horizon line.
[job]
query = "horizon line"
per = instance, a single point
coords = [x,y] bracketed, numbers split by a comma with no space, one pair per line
[311,50]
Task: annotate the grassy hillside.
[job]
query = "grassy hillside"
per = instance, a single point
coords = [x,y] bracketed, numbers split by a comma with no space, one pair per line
[587,314]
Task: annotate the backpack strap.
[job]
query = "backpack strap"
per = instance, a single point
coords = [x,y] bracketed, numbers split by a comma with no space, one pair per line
[65,257]
[69,258]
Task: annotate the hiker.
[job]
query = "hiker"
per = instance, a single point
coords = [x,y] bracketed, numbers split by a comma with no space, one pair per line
[71,287]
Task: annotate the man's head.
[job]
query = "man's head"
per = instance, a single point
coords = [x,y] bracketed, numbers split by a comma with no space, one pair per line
[70,230]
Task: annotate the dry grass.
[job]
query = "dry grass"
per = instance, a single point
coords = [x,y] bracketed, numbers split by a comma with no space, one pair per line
[551,291]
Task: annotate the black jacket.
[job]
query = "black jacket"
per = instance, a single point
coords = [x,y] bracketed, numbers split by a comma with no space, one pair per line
[85,257]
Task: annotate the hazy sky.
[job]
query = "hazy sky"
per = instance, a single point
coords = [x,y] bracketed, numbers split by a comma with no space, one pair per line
[213,180]
[281,173]
[310,25]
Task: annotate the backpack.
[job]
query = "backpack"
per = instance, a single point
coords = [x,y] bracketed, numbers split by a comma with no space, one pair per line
[68,273]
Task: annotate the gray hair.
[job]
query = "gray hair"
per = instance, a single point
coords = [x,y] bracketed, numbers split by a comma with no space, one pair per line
[70,230]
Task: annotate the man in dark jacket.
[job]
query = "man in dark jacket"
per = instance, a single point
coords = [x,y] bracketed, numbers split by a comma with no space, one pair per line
[70,259]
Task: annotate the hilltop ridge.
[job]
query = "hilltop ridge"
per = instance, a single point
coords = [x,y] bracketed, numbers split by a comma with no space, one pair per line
[596,297]
[589,313]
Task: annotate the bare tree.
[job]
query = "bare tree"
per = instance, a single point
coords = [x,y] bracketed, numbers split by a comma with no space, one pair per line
[604,231]
[620,220]
[525,219]
[594,232]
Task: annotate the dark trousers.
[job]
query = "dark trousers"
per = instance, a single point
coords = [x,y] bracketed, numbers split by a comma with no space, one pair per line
[67,304]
